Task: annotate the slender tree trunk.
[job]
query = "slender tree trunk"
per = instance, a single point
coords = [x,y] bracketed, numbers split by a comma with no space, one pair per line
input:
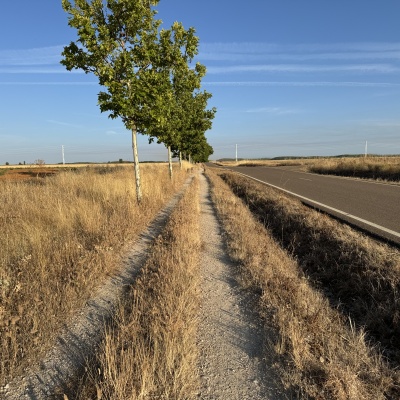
[190,159]
[136,163]
[180,160]
[170,162]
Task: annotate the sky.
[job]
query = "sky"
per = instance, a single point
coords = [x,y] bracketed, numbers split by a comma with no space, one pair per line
[288,78]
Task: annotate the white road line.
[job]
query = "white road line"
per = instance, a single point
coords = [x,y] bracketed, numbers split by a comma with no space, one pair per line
[304,179]
[382,228]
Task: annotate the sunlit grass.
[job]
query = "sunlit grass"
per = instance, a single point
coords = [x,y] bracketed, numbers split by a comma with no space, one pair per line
[60,237]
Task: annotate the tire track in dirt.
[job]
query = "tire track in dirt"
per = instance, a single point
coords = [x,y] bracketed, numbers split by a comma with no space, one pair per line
[231,341]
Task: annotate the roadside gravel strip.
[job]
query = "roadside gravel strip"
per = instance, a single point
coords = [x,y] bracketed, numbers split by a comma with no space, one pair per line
[76,345]
[230,338]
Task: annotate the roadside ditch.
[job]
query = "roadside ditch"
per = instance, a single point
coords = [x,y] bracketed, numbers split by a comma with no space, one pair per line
[356,273]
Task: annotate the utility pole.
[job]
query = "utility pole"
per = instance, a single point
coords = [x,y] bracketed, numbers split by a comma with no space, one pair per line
[62,152]
[366,148]
[236,153]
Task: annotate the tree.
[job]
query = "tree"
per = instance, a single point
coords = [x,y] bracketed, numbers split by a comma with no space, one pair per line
[192,129]
[119,42]
[180,46]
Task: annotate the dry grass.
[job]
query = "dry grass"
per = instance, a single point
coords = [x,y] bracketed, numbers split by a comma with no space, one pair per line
[60,236]
[372,167]
[299,162]
[151,352]
[383,168]
[302,286]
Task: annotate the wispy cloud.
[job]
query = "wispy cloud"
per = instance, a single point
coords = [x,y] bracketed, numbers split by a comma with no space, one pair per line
[297,68]
[49,83]
[113,132]
[273,110]
[44,60]
[300,84]
[38,70]
[35,56]
[261,51]
[51,121]
[331,60]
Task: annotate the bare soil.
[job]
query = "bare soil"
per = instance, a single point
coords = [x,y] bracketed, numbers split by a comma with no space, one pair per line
[233,364]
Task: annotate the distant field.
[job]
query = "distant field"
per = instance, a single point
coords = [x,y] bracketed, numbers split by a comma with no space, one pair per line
[51,165]
[373,167]
[26,172]
[382,168]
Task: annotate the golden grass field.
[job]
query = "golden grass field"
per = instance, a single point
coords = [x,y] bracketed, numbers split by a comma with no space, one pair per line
[330,293]
[60,236]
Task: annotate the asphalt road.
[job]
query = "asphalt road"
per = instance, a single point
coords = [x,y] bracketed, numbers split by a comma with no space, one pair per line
[371,206]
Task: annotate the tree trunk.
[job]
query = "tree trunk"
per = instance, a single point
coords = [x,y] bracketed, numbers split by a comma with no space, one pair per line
[170,162]
[180,160]
[136,163]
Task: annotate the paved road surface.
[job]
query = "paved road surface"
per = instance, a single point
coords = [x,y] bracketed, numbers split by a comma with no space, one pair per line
[372,206]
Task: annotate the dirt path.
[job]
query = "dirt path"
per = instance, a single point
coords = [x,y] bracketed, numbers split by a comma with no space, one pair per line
[232,363]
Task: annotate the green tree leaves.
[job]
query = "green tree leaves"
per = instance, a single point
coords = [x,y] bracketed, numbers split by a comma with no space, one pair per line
[145,72]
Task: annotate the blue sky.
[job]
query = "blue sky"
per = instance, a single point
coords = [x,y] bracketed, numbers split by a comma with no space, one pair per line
[288,77]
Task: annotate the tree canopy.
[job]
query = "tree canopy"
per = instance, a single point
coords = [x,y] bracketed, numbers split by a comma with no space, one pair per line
[145,72]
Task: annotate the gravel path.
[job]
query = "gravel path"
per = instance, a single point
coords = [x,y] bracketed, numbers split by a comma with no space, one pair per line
[230,339]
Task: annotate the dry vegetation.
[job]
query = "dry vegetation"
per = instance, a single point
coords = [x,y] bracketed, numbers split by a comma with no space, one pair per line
[151,352]
[372,167]
[382,168]
[300,162]
[60,236]
[332,293]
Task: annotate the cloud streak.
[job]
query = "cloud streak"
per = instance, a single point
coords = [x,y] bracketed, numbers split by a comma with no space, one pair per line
[296,68]
[38,70]
[337,51]
[51,121]
[49,83]
[304,84]
[273,110]
[28,57]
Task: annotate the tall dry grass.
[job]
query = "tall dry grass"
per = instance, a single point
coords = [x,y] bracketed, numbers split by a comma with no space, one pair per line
[382,168]
[59,237]
[296,162]
[356,272]
[371,167]
[151,352]
[330,356]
